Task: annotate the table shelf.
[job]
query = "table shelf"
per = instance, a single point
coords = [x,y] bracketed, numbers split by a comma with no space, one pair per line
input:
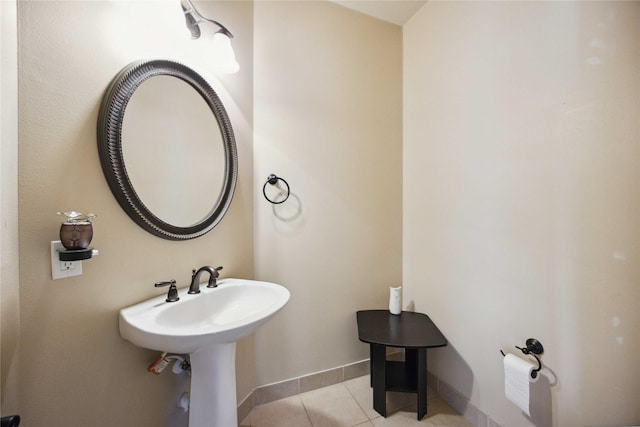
[401,378]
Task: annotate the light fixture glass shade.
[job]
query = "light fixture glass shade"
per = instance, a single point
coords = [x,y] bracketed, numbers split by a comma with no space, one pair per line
[223,56]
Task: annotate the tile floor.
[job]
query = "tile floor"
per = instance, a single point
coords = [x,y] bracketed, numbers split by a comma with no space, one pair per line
[350,404]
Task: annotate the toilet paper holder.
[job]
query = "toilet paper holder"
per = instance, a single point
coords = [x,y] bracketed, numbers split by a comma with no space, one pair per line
[533,348]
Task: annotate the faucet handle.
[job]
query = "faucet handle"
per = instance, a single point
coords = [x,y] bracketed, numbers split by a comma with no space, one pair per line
[212,279]
[167,283]
[172,295]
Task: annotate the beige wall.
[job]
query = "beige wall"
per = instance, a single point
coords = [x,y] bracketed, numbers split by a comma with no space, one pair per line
[328,120]
[521,199]
[76,370]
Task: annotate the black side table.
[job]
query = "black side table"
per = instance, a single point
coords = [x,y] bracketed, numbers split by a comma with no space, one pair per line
[414,332]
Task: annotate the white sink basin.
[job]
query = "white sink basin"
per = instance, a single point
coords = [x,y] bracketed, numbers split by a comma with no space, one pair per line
[207,326]
[216,315]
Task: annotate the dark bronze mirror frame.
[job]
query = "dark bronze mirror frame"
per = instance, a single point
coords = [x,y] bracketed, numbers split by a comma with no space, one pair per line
[110,121]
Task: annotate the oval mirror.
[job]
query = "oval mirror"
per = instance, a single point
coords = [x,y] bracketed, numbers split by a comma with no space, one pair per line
[167,149]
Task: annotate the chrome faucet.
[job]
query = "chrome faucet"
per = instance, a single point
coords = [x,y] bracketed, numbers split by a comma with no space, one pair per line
[194,288]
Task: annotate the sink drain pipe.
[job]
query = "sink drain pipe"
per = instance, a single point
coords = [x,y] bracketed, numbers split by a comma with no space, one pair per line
[160,364]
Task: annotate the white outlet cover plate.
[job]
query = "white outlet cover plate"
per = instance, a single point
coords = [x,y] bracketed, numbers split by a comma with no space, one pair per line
[63,269]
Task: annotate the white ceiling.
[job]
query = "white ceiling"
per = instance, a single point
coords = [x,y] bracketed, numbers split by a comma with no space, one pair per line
[394,11]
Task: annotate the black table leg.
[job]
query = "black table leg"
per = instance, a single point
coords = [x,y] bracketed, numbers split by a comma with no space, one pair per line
[416,367]
[411,362]
[378,378]
[371,365]
[422,382]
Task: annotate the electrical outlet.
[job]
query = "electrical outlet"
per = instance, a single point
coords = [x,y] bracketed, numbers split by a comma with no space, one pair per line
[67,265]
[63,269]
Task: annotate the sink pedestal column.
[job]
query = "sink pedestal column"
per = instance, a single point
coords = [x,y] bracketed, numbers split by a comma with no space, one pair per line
[213,387]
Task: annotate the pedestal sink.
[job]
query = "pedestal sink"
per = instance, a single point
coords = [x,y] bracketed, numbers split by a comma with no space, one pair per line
[206,326]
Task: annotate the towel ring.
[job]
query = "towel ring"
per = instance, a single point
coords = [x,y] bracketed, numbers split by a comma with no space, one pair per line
[273,180]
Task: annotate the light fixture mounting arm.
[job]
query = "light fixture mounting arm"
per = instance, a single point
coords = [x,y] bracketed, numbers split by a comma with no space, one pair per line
[193,18]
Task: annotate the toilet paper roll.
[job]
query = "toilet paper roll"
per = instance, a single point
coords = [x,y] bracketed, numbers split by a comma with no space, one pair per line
[517,377]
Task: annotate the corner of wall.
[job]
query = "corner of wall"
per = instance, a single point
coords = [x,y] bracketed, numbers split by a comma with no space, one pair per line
[9,289]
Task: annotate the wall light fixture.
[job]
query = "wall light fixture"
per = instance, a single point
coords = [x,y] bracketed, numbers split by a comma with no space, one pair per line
[225,59]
